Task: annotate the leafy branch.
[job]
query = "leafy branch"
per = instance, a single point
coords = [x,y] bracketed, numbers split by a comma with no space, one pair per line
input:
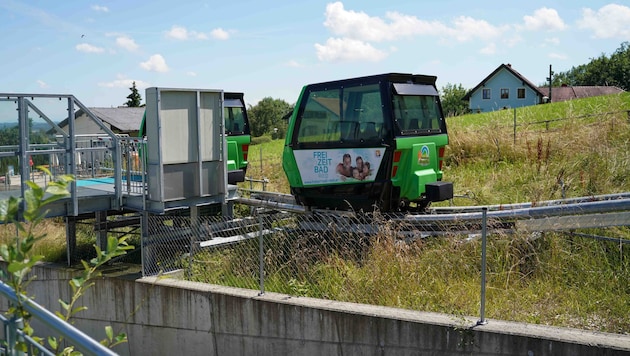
[20,259]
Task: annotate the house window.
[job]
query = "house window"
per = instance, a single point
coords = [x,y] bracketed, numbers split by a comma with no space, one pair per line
[505,93]
[520,93]
[485,94]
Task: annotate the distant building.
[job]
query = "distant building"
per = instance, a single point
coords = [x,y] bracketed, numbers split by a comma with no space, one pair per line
[503,88]
[124,121]
[565,92]
[506,88]
[121,120]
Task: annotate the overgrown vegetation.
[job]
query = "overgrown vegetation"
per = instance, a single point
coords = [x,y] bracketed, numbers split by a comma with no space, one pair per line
[566,149]
[20,257]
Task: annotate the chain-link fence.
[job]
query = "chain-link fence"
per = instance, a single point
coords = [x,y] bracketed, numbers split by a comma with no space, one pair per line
[393,260]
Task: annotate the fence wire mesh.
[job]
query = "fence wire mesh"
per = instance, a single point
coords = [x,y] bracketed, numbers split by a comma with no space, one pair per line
[375,259]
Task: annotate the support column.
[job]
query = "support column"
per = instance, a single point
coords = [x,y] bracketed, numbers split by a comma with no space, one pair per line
[101,229]
[149,264]
[71,239]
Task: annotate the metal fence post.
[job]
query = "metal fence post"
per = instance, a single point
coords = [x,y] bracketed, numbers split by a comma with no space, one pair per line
[261,256]
[482,319]
[14,325]
[514,126]
[261,160]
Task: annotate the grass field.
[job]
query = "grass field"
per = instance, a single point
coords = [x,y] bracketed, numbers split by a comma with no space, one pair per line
[557,150]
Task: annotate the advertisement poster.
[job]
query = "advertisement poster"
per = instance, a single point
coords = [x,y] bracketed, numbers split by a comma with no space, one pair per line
[338,165]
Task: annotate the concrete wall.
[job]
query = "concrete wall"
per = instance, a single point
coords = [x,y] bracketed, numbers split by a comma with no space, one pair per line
[164,316]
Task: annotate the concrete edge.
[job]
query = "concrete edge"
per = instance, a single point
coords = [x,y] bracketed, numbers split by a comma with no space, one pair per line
[561,334]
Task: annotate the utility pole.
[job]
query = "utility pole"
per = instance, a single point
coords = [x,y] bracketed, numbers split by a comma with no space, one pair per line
[550,79]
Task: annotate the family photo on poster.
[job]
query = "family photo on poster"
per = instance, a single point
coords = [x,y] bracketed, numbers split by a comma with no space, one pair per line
[338,166]
[360,171]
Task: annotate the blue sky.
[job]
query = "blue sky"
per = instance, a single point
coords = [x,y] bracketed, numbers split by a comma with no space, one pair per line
[95,50]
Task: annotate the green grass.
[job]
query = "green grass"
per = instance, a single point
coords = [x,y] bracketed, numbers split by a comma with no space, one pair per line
[568,149]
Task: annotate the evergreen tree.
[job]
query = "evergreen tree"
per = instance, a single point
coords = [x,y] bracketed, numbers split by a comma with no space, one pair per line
[135,99]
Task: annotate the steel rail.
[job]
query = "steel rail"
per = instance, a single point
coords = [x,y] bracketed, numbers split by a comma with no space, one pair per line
[581,208]
[513,206]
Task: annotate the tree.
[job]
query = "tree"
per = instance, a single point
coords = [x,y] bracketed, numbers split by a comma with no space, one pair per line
[452,97]
[135,100]
[266,117]
[603,70]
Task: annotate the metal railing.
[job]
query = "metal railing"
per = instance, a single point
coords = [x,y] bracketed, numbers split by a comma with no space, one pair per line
[13,333]
[307,253]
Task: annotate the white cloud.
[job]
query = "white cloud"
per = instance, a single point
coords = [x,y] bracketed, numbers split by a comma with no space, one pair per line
[183,34]
[544,19]
[123,82]
[490,49]
[467,28]
[42,84]
[220,34]
[88,48]
[610,21]
[177,33]
[513,41]
[100,8]
[199,35]
[360,26]
[127,43]
[347,49]
[293,63]
[552,41]
[156,63]
[191,74]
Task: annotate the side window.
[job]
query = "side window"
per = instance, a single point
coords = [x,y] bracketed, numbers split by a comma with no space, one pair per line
[485,94]
[234,120]
[505,93]
[368,113]
[351,114]
[320,117]
[520,93]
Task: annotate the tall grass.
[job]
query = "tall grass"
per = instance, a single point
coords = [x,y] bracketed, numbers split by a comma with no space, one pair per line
[585,152]
[52,245]
[569,149]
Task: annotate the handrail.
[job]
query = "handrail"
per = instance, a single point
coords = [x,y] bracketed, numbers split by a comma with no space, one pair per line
[76,337]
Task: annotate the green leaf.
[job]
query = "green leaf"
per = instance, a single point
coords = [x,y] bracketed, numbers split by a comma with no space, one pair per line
[52,341]
[64,305]
[79,309]
[10,209]
[122,337]
[109,332]
[15,267]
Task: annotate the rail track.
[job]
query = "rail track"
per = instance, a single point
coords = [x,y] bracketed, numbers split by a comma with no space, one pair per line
[562,214]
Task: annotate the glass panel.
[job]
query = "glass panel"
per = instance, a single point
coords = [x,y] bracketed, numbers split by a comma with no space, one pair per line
[348,114]
[234,120]
[417,113]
